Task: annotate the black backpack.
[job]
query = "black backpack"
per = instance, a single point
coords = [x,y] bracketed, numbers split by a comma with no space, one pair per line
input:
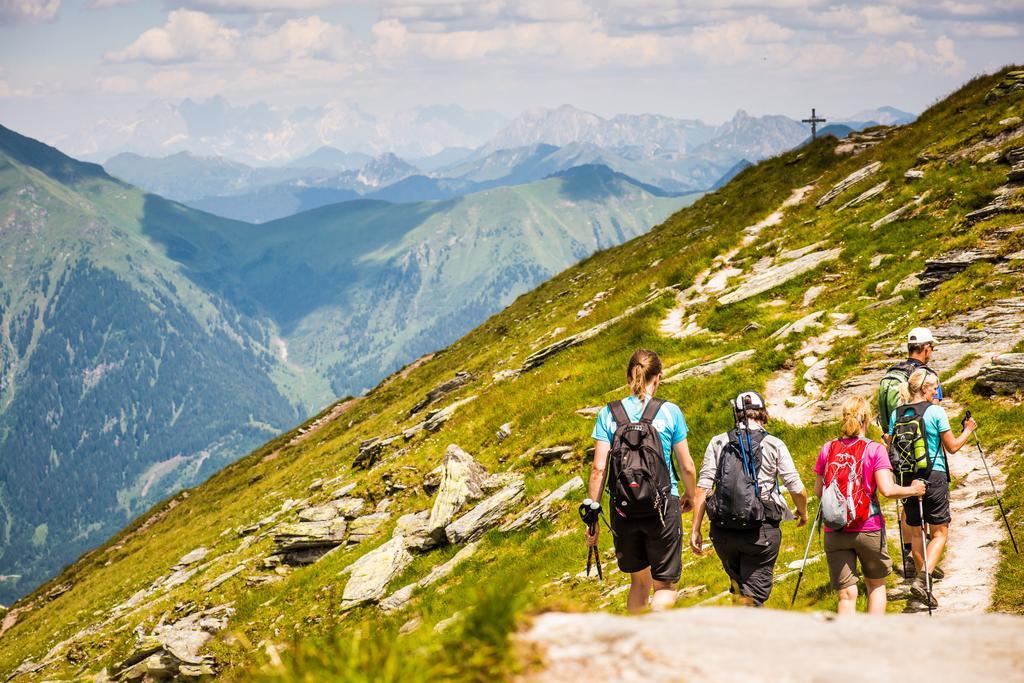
[639,482]
[908,449]
[735,502]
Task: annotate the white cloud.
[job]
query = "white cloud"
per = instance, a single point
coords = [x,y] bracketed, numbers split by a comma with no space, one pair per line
[188,36]
[7,91]
[103,4]
[118,84]
[584,45]
[906,57]
[309,37]
[876,20]
[965,29]
[16,11]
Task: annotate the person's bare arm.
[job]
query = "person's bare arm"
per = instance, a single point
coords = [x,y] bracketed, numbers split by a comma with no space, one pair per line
[819,486]
[688,471]
[597,479]
[700,503]
[886,485]
[951,443]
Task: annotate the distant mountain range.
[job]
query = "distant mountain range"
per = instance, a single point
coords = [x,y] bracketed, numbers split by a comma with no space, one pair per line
[674,155]
[144,344]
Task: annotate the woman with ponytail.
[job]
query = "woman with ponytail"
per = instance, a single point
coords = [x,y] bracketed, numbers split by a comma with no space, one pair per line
[858,469]
[938,442]
[648,548]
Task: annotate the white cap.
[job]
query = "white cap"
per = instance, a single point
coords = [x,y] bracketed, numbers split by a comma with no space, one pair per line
[749,399]
[920,335]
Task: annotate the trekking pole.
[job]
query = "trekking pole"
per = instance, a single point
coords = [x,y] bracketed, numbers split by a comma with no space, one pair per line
[899,525]
[807,550]
[590,513]
[924,547]
[999,501]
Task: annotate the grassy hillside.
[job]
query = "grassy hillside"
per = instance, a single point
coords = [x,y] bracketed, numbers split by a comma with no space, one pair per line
[288,623]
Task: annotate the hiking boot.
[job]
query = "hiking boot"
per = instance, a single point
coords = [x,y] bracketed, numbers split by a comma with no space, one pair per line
[937,574]
[919,590]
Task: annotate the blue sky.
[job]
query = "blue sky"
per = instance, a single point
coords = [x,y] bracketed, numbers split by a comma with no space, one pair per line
[66,62]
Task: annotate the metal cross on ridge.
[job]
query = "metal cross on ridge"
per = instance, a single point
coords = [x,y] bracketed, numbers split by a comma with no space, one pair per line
[814,121]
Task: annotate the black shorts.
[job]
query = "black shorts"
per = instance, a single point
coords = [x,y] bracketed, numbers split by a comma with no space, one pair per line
[643,543]
[935,502]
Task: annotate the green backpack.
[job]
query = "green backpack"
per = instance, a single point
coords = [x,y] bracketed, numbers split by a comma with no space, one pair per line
[908,450]
[889,391]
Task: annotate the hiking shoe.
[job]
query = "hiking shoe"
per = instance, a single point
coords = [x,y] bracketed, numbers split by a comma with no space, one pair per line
[919,591]
[938,574]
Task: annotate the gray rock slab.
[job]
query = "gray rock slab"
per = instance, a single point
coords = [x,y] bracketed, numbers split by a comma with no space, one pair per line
[462,480]
[545,507]
[370,575]
[486,514]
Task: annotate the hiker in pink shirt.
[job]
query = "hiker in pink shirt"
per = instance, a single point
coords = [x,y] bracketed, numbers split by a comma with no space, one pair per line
[851,471]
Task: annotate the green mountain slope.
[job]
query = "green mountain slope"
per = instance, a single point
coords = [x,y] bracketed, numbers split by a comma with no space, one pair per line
[359,288]
[100,344]
[807,237]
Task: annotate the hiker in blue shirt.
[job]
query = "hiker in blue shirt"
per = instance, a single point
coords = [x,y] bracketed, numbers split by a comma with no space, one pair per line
[918,400]
[648,548]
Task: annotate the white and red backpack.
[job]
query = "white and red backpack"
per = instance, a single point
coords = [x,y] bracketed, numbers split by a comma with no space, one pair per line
[844,499]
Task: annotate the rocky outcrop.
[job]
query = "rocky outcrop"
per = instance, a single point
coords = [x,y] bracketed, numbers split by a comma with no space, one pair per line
[771,276]
[415,529]
[946,266]
[859,141]
[540,357]
[546,508]
[485,514]
[461,379]
[1007,199]
[371,450]
[503,432]
[1003,374]
[304,535]
[865,196]
[436,419]
[550,454]
[711,367]
[370,575]
[224,578]
[1012,82]
[401,597]
[366,526]
[901,212]
[646,648]
[848,182]
[462,481]
[588,307]
[173,650]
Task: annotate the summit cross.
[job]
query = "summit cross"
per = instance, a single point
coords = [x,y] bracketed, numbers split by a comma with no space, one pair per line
[814,121]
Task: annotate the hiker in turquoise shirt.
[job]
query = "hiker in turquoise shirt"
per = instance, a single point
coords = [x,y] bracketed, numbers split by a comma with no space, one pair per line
[669,422]
[919,391]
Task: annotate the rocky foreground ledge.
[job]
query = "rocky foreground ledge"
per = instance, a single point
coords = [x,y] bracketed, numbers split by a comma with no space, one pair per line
[729,644]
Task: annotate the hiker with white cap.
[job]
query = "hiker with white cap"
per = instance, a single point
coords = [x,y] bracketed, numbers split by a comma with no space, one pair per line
[920,348]
[738,487]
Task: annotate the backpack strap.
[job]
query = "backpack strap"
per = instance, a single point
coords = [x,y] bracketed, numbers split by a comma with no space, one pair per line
[619,414]
[651,410]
